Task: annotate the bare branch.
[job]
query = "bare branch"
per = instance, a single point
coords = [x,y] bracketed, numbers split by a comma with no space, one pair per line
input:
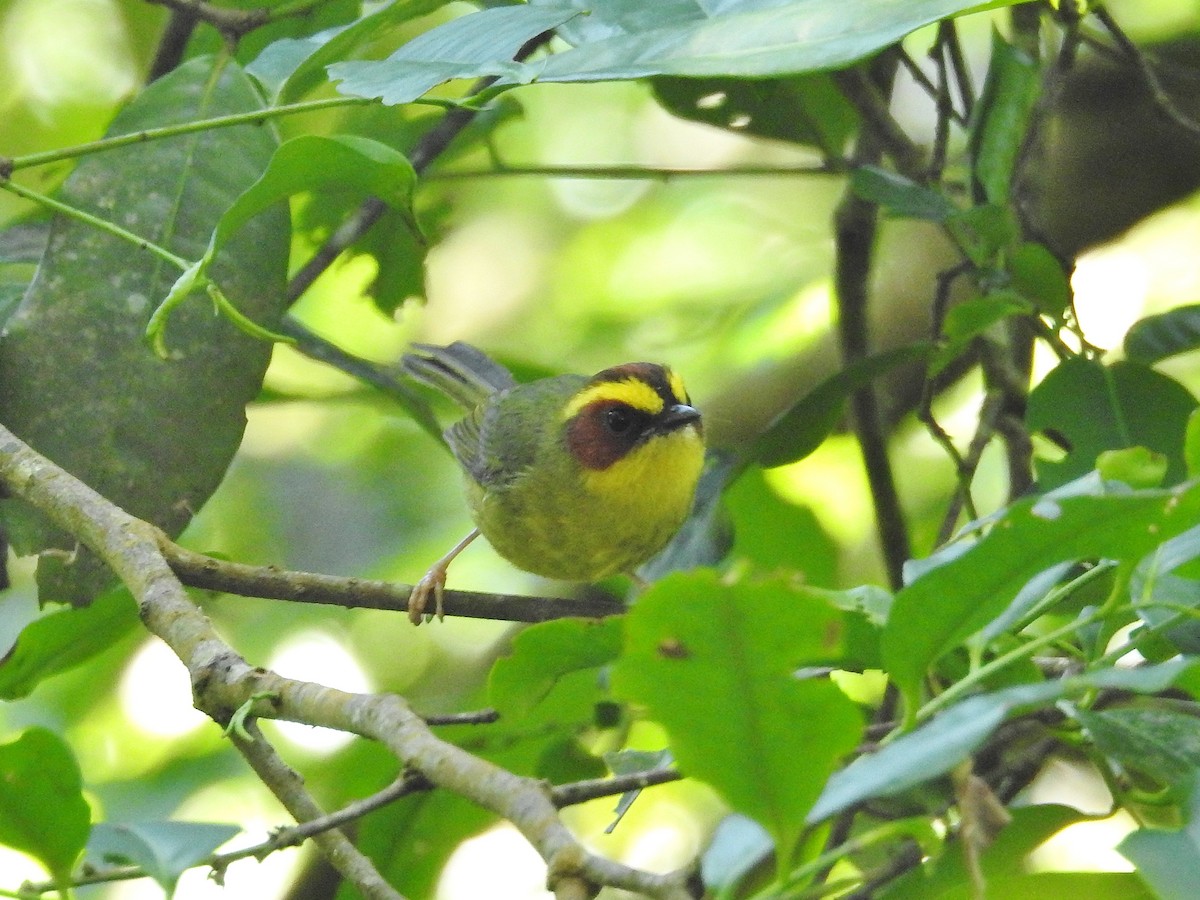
[200,571]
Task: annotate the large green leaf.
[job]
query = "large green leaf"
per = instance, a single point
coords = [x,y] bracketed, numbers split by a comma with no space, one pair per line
[947,604]
[1093,408]
[42,810]
[623,40]
[716,664]
[953,734]
[154,436]
[64,639]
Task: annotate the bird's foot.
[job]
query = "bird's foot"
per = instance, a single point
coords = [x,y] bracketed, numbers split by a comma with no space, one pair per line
[432,583]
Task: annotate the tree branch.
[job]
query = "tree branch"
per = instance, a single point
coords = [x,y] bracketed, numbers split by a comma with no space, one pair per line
[223,682]
[200,571]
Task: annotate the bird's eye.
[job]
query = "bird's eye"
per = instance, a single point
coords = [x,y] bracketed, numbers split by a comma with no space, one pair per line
[618,419]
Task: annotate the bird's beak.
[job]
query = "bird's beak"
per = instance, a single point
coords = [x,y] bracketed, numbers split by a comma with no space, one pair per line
[675,417]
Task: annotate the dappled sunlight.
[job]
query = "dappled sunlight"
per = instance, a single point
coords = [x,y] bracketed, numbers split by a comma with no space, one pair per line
[155,693]
[315,655]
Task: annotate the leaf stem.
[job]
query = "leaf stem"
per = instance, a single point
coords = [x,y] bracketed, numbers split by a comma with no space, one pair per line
[252,117]
[80,215]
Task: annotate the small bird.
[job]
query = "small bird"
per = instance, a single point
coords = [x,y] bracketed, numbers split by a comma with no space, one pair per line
[567,477]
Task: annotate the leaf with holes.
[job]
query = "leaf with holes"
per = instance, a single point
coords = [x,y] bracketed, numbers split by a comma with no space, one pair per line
[1090,407]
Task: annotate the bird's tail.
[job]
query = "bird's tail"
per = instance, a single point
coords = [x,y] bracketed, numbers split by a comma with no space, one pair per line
[465,374]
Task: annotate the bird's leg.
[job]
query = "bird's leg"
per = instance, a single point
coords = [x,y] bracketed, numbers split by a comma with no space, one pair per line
[434,582]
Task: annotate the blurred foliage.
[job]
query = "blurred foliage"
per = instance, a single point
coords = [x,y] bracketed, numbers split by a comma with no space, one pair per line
[1033,323]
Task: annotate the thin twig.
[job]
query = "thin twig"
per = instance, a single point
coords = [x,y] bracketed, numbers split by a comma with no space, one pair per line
[205,572]
[871,103]
[582,791]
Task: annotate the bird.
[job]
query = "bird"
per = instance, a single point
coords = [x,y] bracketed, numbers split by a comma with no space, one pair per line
[568,477]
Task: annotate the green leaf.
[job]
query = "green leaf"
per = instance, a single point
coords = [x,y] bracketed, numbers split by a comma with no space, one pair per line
[541,654]
[624,40]
[946,605]
[1036,274]
[901,196]
[804,109]
[472,46]
[775,535]
[1168,334]
[799,431]
[153,436]
[1152,740]
[1092,408]
[1137,467]
[42,810]
[1001,118]
[983,232]
[952,735]
[1168,860]
[716,664]
[1191,444]
[62,640]
[165,850]
[293,67]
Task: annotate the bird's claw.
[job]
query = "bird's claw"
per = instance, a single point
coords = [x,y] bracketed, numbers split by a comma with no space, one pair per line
[432,582]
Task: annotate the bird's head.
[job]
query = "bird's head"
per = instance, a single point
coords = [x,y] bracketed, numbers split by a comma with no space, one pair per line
[633,428]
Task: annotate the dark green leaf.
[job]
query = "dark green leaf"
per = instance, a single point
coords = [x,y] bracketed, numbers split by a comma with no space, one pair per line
[24,243]
[800,430]
[1167,334]
[805,109]
[952,735]
[1154,741]
[1168,860]
[1036,274]
[1001,117]
[715,664]
[949,603]
[901,196]
[165,850]
[543,653]
[42,810]
[153,436]
[64,639]
[1094,408]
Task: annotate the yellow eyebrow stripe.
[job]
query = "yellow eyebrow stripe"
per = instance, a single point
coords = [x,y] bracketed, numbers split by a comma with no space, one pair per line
[631,391]
[677,389]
